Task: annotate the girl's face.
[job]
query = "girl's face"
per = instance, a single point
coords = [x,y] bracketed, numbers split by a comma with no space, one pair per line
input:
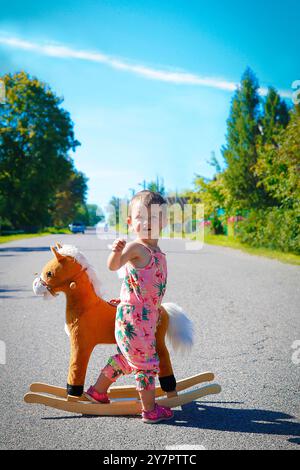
[147,222]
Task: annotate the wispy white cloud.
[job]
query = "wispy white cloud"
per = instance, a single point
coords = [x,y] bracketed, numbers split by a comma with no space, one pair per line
[178,77]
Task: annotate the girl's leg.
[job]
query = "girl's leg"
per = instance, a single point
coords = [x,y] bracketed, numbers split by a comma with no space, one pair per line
[145,381]
[151,412]
[103,383]
[115,367]
[148,399]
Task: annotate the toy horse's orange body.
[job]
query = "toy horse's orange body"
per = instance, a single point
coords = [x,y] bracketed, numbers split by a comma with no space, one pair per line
[91,320]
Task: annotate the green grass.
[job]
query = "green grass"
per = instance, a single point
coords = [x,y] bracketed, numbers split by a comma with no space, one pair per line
[232,242]
[20,236]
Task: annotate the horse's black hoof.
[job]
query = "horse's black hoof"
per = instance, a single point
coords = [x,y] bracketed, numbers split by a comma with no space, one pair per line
[168,384]
[75,390]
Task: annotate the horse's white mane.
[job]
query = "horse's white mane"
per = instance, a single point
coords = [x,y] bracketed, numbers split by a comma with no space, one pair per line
[73,251]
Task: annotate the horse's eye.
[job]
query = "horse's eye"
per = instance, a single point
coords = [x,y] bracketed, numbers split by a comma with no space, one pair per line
[49,274]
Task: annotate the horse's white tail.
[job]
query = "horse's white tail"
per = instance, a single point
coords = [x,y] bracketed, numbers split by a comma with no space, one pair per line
[180,332]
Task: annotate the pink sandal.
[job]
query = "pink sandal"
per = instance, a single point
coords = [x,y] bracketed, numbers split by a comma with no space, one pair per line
[95,396]
[160,413]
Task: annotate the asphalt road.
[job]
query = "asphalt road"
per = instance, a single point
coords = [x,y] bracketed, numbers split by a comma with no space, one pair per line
[246,314]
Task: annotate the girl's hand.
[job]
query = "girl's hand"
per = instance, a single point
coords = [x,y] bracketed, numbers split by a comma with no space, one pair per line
[121,253]
[118,245]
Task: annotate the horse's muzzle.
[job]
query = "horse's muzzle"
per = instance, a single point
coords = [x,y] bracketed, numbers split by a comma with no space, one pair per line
[41,289]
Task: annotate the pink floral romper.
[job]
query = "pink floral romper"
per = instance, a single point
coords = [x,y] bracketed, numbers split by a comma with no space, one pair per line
[137,316]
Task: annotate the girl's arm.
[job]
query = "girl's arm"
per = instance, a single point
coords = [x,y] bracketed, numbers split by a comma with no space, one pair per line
[121,254]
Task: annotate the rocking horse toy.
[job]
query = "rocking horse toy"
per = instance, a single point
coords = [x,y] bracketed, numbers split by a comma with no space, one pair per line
[90,321]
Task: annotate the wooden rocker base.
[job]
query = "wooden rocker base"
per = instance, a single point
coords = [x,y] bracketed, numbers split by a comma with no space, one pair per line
[125,391]
[124,398]
[119,407]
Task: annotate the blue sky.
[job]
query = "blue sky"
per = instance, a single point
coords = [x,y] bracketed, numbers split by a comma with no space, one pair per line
[149,83]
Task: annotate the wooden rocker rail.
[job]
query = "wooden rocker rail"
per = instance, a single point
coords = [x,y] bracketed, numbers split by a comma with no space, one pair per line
[118,407]
[126,391]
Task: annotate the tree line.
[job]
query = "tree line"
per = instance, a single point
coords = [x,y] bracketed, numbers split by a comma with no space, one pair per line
[39,184]
[259,187]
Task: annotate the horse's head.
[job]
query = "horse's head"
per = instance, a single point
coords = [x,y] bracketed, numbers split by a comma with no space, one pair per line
[59,274]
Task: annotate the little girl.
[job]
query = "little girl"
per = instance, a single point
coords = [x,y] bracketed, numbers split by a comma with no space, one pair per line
[137,313]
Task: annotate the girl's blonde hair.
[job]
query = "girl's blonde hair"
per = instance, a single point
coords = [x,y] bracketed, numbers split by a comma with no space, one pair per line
[147,198]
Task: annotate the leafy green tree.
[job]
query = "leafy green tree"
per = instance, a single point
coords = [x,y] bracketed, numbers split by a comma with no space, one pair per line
[114,212]
[240,151]
[261,180]
[212,194]
[278,166]
[157,187]
[275,117]
[36,135]
[89,214]
[95,213]
[69,200]
[278,171]
[82,214]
